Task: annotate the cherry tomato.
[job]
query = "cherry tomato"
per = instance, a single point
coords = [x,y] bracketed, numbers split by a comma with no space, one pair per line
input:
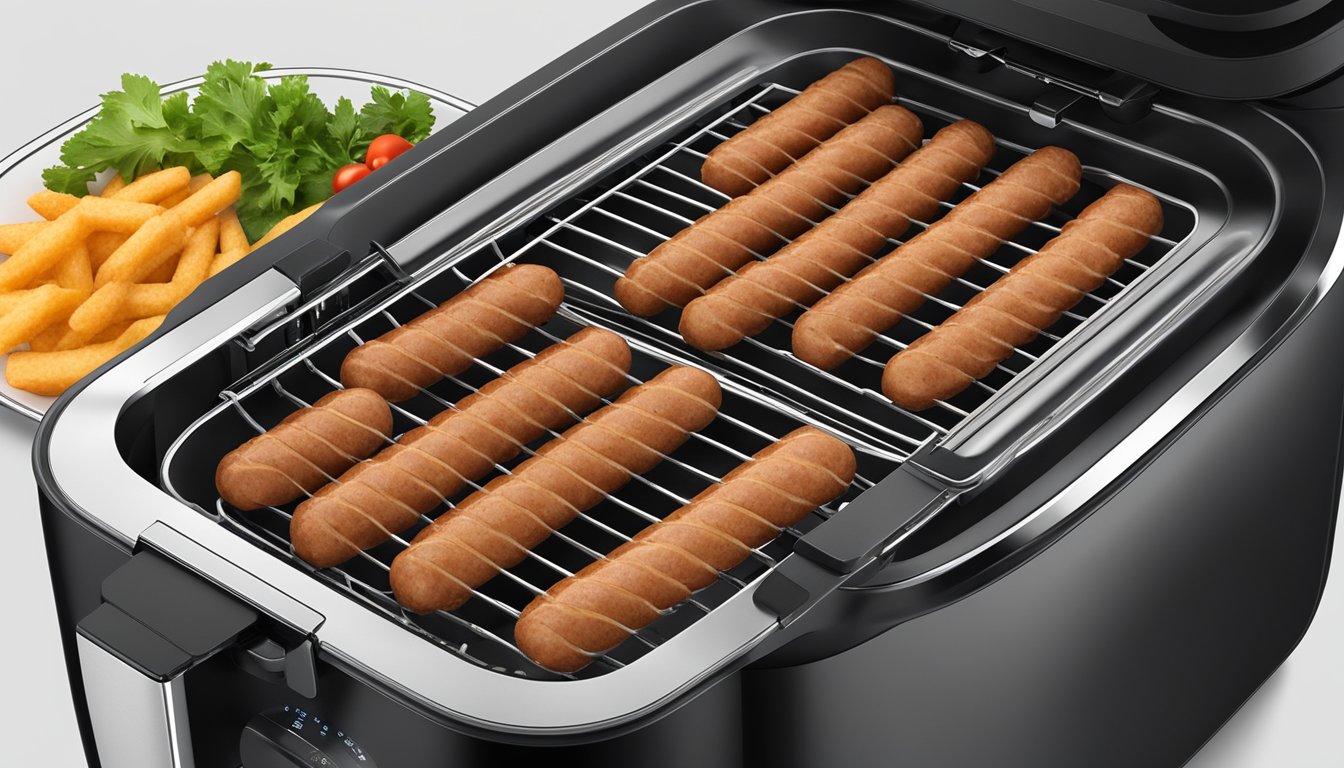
[347,175]
[383,149]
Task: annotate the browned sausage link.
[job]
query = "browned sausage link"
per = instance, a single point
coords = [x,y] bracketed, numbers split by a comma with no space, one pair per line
[803,271]
[853,315]
[1027,300]
[430,464]
[495,527]
[775,140]
[597,608]
[770,215]
[444,341]
[301,453]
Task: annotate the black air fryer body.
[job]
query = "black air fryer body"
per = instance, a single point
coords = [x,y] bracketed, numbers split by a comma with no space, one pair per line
[1112,597]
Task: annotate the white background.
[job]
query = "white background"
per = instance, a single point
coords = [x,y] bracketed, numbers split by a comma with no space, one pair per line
[56,58]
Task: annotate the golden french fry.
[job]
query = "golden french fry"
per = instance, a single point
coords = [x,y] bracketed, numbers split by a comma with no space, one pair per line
[50,205]
[164,272]
[101,309]
[150,246]
[13,236]
[286,224]
[103,245]
[61,336]
[231,234]
[45,305]
[72,339]
[47,340]
[119,301]
[43,251]
[11,299]
[197,182]
[227,259]
[175,199]
[75,271]
[210,200]
[51,373]
[122,216]
[156,187]
[199,253]
[113,186]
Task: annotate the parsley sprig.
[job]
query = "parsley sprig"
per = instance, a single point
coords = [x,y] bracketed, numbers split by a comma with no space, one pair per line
[277,134]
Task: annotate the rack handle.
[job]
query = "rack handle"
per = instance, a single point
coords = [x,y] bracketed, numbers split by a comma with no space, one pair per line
[156,622]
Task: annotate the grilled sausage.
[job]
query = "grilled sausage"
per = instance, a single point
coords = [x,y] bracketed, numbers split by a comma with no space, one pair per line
[1027,300]
[765,219]
[432,463]
[777,139]
[806,269]
[594,610]
[444,341]
[851,317]
[301,453]
[495,527]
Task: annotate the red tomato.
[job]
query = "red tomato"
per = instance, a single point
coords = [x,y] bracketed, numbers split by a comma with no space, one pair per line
[383,149]
[348,175]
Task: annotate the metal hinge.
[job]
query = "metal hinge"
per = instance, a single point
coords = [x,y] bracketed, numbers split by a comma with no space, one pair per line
[1123,98]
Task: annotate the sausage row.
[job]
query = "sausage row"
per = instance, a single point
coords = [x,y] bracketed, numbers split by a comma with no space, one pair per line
[430,464]
[594,610]
[763,220]
[1030,298]
[497,526]
[849,319]
[446,340]
[776,140]
[802,272]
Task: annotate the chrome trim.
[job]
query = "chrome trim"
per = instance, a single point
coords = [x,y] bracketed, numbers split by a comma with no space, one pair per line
[137,722]
[245,586]
[82,437]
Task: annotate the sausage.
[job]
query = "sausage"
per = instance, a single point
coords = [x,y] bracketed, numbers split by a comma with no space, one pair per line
[444,341]
[1022,303]
[495,527]
[386,495]
[766,218]
[806,269]
[777,139]
[301,453]
[842,324]
[594,610]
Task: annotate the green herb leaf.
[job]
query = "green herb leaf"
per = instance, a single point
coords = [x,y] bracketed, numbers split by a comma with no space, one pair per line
[343,130]
[130,134]
[409,115]
[277,134]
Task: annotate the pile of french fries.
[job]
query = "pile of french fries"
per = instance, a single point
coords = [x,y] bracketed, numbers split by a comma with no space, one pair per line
[99,273]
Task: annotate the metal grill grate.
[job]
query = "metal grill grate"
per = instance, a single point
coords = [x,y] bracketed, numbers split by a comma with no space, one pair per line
[767,391]
[661,196]
[741,428]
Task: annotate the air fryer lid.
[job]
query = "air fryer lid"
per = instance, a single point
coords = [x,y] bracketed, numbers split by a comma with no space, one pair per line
[1231,49]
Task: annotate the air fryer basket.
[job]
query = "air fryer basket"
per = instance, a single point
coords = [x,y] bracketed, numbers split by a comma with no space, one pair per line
[586,205]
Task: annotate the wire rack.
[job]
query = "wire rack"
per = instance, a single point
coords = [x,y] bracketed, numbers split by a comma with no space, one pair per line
[481,631]
[656,198]
[589,241]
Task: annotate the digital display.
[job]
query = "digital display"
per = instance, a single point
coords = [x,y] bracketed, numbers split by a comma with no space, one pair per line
[299,734]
